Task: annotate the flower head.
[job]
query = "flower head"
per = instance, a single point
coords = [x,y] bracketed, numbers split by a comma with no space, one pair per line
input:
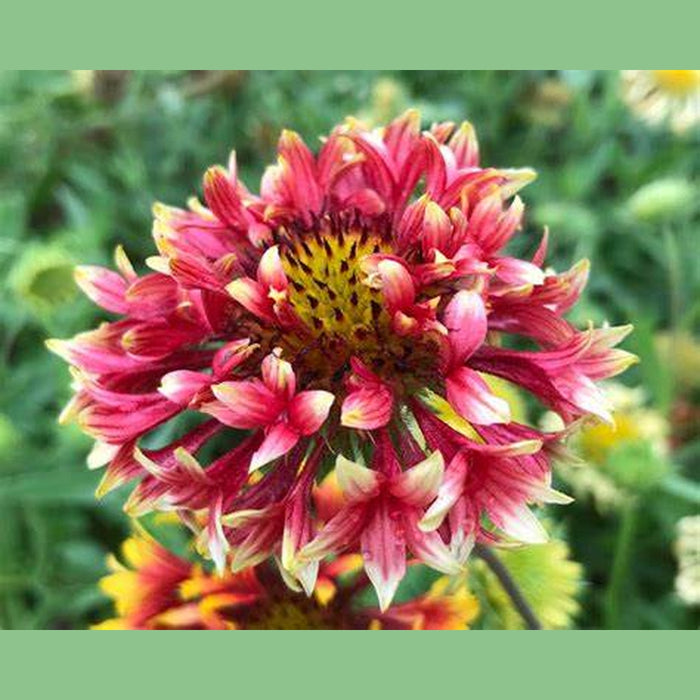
[157,589]
[547,577]
[664,96]
[346,318]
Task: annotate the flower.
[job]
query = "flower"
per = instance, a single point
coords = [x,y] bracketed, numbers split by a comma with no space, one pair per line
[688,553]
[660,96]
[345,318]
[549,580]
[157,589]
[619,460]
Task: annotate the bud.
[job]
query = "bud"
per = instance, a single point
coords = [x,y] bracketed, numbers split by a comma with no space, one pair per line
[663,200]
[42,279]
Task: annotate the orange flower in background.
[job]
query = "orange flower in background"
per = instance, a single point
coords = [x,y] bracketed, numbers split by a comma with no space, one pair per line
[156,589]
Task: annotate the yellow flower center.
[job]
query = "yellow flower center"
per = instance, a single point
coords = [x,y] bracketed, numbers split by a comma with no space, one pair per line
[678,82]
[342,315]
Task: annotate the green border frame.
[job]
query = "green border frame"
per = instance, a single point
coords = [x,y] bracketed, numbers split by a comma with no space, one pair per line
[358,34]
[600,664]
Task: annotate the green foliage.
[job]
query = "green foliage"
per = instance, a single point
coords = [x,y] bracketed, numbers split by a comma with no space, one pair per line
[82,159]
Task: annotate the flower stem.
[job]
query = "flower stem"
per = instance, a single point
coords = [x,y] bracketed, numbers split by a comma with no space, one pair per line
[509,586]
[620,566]
[675,289]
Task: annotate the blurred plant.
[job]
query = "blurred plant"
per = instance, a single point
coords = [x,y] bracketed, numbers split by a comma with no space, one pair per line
[688,553]
[547,102]
[547,577]
[621,459]
[684,357]
[42,278]
[108,86]
[388,98]
[158,589]
[664,96]
[670,199]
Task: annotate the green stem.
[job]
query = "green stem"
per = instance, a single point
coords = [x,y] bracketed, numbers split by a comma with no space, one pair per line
[620,566]
[509,586]
[675,288]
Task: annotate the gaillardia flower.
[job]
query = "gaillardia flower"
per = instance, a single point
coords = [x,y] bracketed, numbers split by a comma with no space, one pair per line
[664,96]
[344,319]
[155,588]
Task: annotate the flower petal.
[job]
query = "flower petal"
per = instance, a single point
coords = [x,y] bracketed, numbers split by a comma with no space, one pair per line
[278,375]
[419,485]
[309,409]
[248,404]
[357,483]
[278,441]
[368,408]
[384,552]
[465,319]
[472,398]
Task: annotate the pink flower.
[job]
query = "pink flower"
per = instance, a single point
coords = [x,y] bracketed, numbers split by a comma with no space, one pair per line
[346,318]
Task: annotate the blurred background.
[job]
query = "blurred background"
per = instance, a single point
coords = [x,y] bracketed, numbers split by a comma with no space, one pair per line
[84,154]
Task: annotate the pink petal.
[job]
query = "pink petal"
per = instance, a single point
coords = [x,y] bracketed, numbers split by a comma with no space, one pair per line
[437,228]
[419,485]
[429,548]
[384,552]
[223,199]
[278,376]
[367,408]
[470,395]
[216,540]
[248,404]
[518,272]
[181,386]
[309,409]
[253,296]
[337,534]
[356,482]
[397,285]
[105,287]
[270,270]
[300,174]
[278,441]
[450,490]
[465,319]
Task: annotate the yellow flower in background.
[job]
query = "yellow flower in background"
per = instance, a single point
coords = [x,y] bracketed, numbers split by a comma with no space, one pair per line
[688,554]
[548,579]
[621,459]
[664,96]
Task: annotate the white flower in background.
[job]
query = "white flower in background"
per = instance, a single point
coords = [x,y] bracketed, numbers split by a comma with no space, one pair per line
[664,96]
[688,553]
